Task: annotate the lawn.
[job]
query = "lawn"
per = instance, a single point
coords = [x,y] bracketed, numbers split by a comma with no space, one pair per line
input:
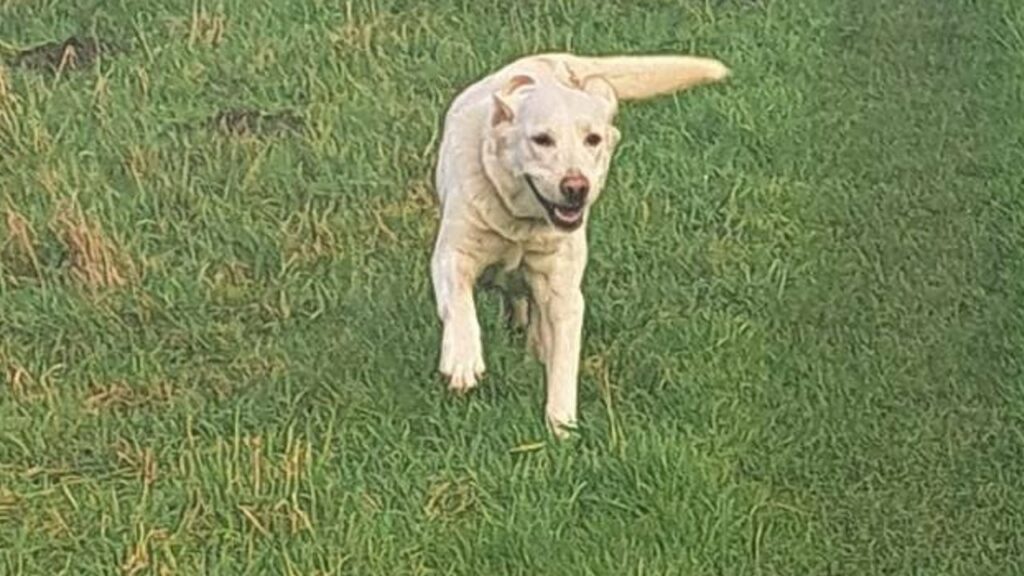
[804,340]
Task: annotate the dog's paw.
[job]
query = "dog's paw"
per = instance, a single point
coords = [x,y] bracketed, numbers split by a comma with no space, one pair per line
[463,376]
[463,365]
[463,379]
[561,425]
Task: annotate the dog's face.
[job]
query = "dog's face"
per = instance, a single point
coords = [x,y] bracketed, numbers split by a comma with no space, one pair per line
[554,143]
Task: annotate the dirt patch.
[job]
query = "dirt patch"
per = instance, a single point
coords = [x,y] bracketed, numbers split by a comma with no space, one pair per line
[250,122]
[75,53]
[94,261]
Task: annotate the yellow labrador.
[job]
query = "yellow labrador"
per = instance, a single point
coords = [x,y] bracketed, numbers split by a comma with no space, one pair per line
[524,154]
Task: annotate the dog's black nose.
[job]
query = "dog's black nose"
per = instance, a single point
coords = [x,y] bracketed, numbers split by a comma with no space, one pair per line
[575,188]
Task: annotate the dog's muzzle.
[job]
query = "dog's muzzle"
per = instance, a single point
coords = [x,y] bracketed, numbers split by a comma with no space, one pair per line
[566,217]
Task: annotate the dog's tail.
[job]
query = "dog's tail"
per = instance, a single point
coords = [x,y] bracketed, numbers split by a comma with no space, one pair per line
[639,77]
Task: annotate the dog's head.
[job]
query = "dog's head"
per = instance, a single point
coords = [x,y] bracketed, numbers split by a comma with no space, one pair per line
[549,145]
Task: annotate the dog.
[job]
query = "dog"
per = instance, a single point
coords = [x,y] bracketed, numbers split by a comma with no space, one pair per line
[524,154]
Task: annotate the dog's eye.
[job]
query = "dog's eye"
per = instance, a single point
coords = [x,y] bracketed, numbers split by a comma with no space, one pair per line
[592,140]
[544,140]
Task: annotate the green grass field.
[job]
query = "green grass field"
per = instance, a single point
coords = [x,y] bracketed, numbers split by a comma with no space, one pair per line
[804,341]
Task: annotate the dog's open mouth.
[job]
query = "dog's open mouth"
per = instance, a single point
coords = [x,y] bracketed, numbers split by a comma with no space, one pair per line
[563,216]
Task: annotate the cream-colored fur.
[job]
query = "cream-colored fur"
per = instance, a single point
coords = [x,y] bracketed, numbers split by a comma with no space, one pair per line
[524,154]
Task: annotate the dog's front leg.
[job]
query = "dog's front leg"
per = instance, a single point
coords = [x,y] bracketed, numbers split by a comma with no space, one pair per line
[558,336]
[453,274]
[565,322]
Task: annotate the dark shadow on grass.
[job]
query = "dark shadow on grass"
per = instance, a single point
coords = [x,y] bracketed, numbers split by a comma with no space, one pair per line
[250,122]
[74,53]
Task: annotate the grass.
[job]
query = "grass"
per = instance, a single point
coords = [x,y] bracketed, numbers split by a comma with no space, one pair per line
[804,328]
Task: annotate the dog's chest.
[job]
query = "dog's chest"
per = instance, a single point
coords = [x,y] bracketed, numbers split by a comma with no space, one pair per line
[511,257]
[531,251]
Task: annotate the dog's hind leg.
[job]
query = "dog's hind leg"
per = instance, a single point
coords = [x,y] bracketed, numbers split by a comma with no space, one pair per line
[515,299]
[517,312]
[536,337]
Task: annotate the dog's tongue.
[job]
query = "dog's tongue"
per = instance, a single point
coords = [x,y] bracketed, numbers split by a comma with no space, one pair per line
[568,214]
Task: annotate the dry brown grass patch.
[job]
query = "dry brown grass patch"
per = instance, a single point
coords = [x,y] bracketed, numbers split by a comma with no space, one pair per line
[17,251]
[5,87]
[94,261]
[121,396]
[449,499]
[10,505]
[24,386]
[137,462]
[206,28]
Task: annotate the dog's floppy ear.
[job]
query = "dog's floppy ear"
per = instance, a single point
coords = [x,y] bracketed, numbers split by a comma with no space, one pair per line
[601,88]
[503,105]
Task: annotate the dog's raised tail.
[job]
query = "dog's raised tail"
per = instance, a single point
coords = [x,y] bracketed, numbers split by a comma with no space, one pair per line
[639,77]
